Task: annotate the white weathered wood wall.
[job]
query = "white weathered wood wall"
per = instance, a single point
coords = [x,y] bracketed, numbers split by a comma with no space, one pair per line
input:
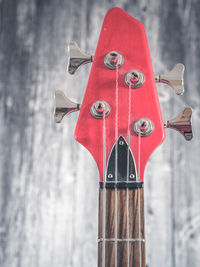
[48,182]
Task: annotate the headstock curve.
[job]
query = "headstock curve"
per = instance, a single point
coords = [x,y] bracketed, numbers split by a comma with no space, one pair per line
[117,28]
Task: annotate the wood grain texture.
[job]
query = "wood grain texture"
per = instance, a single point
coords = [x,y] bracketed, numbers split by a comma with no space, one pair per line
[48,209]
[130,209]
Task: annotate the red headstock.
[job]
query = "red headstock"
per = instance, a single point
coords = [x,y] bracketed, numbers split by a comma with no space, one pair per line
[120,33]
[118,124]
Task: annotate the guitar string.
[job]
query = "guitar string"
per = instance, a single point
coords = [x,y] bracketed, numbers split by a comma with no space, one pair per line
[116,157]
[104,190]
[116,173]
[128,173]
[139,211]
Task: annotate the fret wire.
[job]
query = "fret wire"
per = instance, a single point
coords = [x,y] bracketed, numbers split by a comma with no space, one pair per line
[118,182]
[121,240]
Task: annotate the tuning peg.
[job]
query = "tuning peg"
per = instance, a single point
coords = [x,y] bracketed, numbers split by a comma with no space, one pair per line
[64,106]
[77,57]
[182,123]
[174,78]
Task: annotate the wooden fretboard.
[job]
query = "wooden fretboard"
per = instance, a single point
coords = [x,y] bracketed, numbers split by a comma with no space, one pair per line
[121,244]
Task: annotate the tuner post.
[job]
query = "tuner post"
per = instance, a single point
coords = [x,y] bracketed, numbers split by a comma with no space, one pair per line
[99,109]
[134,78]
[113,60]
[143,127]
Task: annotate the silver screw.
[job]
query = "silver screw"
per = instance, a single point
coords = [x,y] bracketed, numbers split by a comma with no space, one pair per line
[110,175]
[132,176]
[121,143]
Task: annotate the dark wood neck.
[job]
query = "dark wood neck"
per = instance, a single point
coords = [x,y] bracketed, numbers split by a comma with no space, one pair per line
[121,238]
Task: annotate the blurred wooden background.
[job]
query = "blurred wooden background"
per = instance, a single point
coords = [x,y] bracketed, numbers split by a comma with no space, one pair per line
[48,208]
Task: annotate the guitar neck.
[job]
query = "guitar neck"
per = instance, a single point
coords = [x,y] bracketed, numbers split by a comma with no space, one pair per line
[120,123]
[121,238]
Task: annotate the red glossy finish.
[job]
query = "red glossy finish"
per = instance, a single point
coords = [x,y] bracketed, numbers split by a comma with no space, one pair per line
[122,33]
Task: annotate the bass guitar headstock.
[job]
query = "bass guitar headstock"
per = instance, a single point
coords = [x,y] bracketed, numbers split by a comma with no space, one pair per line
[120,120]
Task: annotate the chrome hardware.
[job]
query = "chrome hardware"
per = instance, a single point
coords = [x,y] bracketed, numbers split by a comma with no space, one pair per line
[143,126]
[110,176]
[131,176]
[77,57]
[113,60]
[174,78]
[182,123]
[135,78]
[99,108]
[64,106]
[121,143]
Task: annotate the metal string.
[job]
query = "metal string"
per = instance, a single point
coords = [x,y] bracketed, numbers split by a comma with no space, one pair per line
[105,177]
[116,158]
[138,180]
[139,211]
[104,190]
[128,174]
[116,174]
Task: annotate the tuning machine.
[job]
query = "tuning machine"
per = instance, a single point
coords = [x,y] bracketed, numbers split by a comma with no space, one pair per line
[77,57]
[63,106]
[182,123]
[174,78]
